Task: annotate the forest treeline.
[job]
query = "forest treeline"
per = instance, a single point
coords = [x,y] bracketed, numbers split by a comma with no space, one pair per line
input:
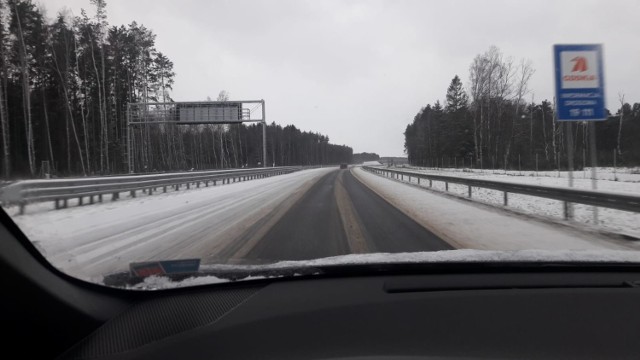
[359,158]
[64,88]
[496,123]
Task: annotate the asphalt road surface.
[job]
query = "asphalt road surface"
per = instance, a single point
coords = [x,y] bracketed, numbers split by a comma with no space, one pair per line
[339,215]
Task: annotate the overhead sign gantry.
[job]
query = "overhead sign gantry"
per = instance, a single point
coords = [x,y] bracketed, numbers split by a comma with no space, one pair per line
[195,113]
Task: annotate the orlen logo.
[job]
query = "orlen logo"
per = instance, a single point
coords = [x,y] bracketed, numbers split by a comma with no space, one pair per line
[579,69]
[580,64]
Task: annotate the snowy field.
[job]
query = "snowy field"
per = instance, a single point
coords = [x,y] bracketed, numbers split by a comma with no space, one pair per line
[622,222]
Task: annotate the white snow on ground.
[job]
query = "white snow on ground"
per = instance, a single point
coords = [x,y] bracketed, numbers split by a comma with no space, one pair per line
[474,226]
[622,222]
[450,256]
[626,180]
[89,241]
[371,163]
[160,282]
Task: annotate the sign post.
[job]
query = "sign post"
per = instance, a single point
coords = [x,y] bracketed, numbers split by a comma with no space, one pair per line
[579,80]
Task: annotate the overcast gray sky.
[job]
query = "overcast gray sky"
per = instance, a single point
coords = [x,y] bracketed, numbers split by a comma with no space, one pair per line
[359,71]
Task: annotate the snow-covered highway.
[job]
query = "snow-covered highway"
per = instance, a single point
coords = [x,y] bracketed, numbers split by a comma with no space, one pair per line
[304,215]
[99,239]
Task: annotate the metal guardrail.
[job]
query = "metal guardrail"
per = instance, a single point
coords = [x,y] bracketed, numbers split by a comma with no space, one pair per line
[61,190]
[566,195]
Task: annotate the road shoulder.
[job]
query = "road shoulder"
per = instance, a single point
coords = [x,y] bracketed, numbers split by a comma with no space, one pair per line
[466,225]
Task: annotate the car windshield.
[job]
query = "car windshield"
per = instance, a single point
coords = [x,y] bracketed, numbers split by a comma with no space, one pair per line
[151,144]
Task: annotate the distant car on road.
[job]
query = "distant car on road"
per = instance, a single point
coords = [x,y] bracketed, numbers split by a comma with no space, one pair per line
[343,166]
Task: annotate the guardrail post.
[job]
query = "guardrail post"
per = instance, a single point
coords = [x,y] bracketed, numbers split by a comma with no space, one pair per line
[430,183]
[197,184]
[90,199]
[80,200]
[65,203]
[57,203]
[506,199]
[164,189]
[214,183]
[115,196]
[567,210]
[418,181]
[446,186]
[99,197]
[177,187]
[133,193]
[469,191]
[22,206]
[188,185]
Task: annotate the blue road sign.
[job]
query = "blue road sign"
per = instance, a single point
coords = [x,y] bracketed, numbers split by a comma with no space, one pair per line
[579,82]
